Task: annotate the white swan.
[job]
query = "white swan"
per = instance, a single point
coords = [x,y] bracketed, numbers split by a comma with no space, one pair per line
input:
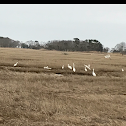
[88,66]
[47,67]
[93,73]
[63,67]
[107,56]
[85,69]
[70,67]
[15,64]
[74,68]
[122,69]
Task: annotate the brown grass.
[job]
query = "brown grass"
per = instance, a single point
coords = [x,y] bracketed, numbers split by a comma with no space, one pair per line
[33,96]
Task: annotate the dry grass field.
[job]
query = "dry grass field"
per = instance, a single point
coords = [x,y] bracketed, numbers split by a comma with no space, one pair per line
[33,96]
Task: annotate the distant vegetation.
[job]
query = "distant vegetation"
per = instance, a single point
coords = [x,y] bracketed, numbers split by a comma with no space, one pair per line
[76,45]
[7,42]
[120,48]
[64,45]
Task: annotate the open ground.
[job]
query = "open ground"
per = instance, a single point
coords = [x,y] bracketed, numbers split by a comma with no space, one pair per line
[33,96]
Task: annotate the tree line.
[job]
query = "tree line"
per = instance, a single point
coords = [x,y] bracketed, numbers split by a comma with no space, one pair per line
[64,45]
[75,45]
[119,48]
[7,42]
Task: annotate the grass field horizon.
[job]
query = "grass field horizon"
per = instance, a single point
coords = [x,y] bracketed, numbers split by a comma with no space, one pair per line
[33,96]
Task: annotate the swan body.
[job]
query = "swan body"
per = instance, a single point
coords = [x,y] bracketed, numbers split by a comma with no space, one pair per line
[93,73]
[70,67]
[85,69]
[74,68]
[15,64]
[63,67]
[88,66]
[47,67]
[107,56]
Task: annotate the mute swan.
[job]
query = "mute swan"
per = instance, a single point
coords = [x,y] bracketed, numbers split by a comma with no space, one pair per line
[15,64]
[47,67]
[74,68]
[88,66]
[93,73]
[70,67]
[85,69]
[63,67]
[107,56]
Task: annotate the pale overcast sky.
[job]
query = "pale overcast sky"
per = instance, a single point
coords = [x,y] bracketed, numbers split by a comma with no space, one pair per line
[45,22]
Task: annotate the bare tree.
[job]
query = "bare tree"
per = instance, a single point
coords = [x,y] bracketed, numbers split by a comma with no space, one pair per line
[121,47]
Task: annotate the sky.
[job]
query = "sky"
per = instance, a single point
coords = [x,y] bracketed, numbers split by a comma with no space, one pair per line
[47,22]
